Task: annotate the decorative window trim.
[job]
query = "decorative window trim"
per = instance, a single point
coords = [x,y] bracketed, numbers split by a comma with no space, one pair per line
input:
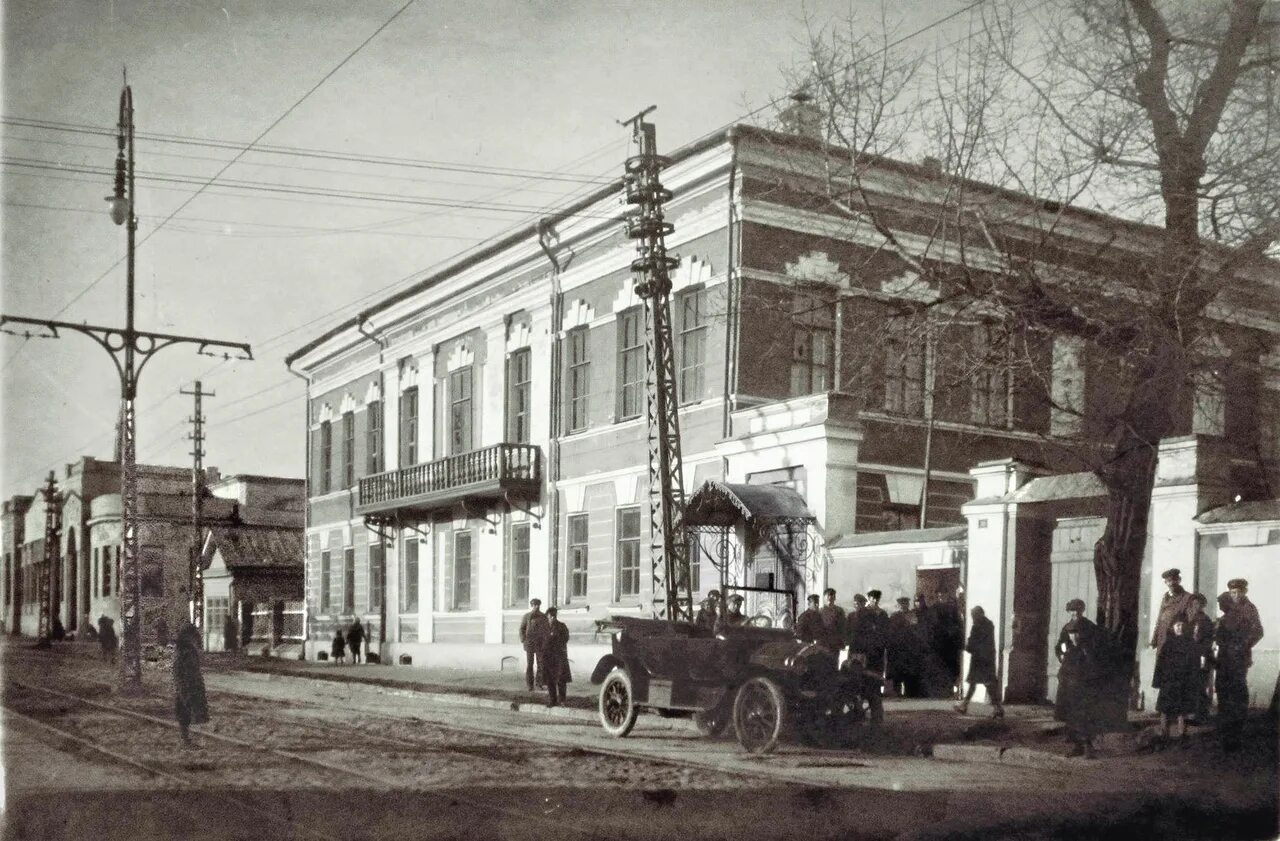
[462,356]
[577,314]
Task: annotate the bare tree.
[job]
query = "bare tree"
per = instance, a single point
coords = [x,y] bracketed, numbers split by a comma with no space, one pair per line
[1162,114]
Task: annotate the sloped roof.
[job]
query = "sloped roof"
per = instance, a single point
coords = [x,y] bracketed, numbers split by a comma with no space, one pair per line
[1262,510]
[721,503]
[1062,486]
[257,546]
[937,534]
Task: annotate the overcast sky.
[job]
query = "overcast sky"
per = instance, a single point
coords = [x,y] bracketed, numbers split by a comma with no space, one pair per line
[527,86]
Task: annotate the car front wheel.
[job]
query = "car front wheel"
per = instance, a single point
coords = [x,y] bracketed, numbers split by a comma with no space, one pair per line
[617,704]
[760,715]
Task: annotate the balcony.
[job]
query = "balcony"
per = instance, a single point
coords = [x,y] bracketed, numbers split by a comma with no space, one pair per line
[487,474]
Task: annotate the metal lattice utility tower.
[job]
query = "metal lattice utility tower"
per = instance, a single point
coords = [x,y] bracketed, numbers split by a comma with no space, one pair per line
[195,572]
[130,350]
[52,539]
[669,544]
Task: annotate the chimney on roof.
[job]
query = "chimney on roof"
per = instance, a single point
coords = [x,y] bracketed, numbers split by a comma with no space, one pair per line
[802,116]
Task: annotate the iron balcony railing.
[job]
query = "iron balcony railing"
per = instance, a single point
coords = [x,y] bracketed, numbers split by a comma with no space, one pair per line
[488,470]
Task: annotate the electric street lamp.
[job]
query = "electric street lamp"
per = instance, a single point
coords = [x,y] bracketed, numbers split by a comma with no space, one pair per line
[130,350]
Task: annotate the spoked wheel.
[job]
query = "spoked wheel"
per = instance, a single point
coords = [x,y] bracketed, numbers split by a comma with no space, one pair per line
[713,721]
[759,715]
[617,704]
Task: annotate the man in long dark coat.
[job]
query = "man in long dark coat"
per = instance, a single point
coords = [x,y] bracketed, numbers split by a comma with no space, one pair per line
[1174,605]
[1200,630]
[189,705]
[833,622]
[555,658]
[982,662]
[1080,651]
[1238,631]
[355,639]
[533,636]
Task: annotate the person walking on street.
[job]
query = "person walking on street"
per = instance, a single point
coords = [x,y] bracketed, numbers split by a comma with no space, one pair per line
[355,639]
[1177,676]
[533,636]
[190,705]
[809,625]
[1079,651]
[555,658]
[107,639]
[833,622]
[339,647]
[1238,631]
[982,662]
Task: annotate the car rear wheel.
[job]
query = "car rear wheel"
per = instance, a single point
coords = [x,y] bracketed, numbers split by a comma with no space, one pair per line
[617,704]
[759,715]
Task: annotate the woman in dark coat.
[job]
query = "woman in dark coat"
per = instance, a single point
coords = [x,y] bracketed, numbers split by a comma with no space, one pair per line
[982,662]
[339,648]
[1080,672]
[1177,676]
[189,705]
[555,658]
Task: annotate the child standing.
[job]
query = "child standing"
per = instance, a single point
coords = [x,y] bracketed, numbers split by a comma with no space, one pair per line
[1177,676]
[339,649]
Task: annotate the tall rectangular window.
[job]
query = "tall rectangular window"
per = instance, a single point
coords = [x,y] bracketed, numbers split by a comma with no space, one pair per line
[519,410]
[693,344]
[106,570]
[373,438]
[326,457]
[460,597]
[577,556]
[348,579]
[904,357]
[518,565]
[630,364]
[93,576]
[409,577]
[460,411]
[377,570]
[812,342]
[579,375]
[348,449]
[326,582]
[409,427]
[628,577]
[989,385]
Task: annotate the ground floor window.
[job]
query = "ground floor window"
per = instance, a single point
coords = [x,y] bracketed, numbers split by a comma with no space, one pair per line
[377,567]
[409,577]
[628,579]
[349,579]
[326,582]
[577,556]
[216,611]
[518,565]
[460,593]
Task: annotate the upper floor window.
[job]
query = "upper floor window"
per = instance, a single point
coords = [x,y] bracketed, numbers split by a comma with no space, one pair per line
[693,344]
[460,420]
[577,556]
[519,410]
[579,376]
[812,342]
[518,565]
[904,359]
[409,427]
[373,438]
[326,457]
[628,575]
[989,385]
[630,364]
[348,449]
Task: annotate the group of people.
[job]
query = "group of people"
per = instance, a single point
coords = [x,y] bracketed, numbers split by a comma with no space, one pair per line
[717,613]
[352,640]
[1196,657]
[916,649]
[546,646]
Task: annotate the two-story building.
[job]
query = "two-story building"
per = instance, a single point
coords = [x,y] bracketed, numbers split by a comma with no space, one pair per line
[479,437]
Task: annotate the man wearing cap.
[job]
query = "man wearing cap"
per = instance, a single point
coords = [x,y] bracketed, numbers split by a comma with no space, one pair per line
[1080,673]
[708,611]
[733,617]
[834,622]
[1238,631]
[1174,606]
[534,630]
[866,633]
[809,625]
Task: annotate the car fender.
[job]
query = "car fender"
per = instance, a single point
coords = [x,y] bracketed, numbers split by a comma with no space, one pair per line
[607,663]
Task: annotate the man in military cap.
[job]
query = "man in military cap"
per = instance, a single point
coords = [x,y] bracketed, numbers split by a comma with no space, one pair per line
[733,617]
[809,624]
[1175,606]
[834,622]
[534,631]
[1238,631]
[709,611]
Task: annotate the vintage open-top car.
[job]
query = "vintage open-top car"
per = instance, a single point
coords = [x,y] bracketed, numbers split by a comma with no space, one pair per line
[769,684]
